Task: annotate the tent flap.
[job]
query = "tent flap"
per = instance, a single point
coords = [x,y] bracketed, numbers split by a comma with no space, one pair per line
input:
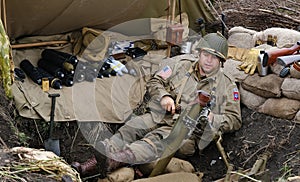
[41,17]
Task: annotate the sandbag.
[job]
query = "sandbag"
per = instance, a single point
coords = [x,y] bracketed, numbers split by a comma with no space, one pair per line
[293,179]
[276,69]
[291,88]
[230,67]
[280,107]
[297,117]
[267,86]
[246,38]
[241,37]
[175,165]
[250,99]
[173,177]
[285,37]
[124,174]
[178,165]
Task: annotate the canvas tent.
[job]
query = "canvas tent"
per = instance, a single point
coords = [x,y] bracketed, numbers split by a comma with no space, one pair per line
[38,21]
[36,17]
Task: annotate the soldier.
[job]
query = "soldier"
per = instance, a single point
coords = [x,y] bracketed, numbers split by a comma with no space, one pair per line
[176,83]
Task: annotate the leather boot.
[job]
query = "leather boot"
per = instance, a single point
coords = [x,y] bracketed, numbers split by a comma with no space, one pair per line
[119,159]
[88,167]
[94,165]
[101,157]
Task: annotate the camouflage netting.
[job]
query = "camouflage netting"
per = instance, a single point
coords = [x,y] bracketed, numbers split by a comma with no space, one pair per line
[6,64]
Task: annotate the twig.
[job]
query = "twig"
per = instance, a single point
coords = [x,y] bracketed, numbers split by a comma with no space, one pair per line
[73,141]
[288,9]
[291,153]
[37,129]
[293,2]
[251,116]
[285,162]
[241,174]
[90,177]
[264,147]
[288,171]
[289,134]
[3,174]
[219,4]
[66,129]
[3,143]
[273,3]
[272,13]
[279,14]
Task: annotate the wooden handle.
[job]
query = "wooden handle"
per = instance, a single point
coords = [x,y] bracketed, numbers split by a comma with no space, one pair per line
[37,44]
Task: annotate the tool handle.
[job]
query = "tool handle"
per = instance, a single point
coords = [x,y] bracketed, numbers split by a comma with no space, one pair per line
[53,99]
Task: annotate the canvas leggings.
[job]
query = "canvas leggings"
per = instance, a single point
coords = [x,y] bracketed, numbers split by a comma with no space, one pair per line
[142,136]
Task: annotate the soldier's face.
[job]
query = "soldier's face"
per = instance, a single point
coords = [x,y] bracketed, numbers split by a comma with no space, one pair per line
[208,62]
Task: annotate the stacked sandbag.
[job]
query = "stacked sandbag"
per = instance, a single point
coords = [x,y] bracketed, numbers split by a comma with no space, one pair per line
[247,38]
[176,170]
[270,94]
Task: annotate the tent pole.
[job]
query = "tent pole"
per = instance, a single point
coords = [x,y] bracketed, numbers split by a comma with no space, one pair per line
[38,44]
[173,10]
[171,22]
[4,14]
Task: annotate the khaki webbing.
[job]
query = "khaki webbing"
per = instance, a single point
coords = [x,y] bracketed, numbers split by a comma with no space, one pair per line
[183,82]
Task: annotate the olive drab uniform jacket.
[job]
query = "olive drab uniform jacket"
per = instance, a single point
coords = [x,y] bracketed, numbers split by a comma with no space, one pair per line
[168,80]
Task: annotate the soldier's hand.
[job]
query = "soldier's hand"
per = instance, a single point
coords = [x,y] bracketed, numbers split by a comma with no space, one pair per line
[168,104]
[250,61]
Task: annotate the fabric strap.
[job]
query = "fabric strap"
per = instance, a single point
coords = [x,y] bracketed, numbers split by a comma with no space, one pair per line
[183,82]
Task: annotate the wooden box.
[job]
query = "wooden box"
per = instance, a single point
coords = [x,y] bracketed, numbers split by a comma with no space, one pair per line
[174,34]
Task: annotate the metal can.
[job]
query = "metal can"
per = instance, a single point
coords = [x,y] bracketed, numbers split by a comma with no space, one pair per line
[262,70]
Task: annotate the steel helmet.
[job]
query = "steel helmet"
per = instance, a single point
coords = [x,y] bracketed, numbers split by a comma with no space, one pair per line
[214,43]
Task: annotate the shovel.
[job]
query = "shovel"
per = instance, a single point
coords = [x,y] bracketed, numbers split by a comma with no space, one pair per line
[52,144]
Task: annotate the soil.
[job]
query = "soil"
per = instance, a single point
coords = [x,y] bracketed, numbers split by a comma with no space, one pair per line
[260,134]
